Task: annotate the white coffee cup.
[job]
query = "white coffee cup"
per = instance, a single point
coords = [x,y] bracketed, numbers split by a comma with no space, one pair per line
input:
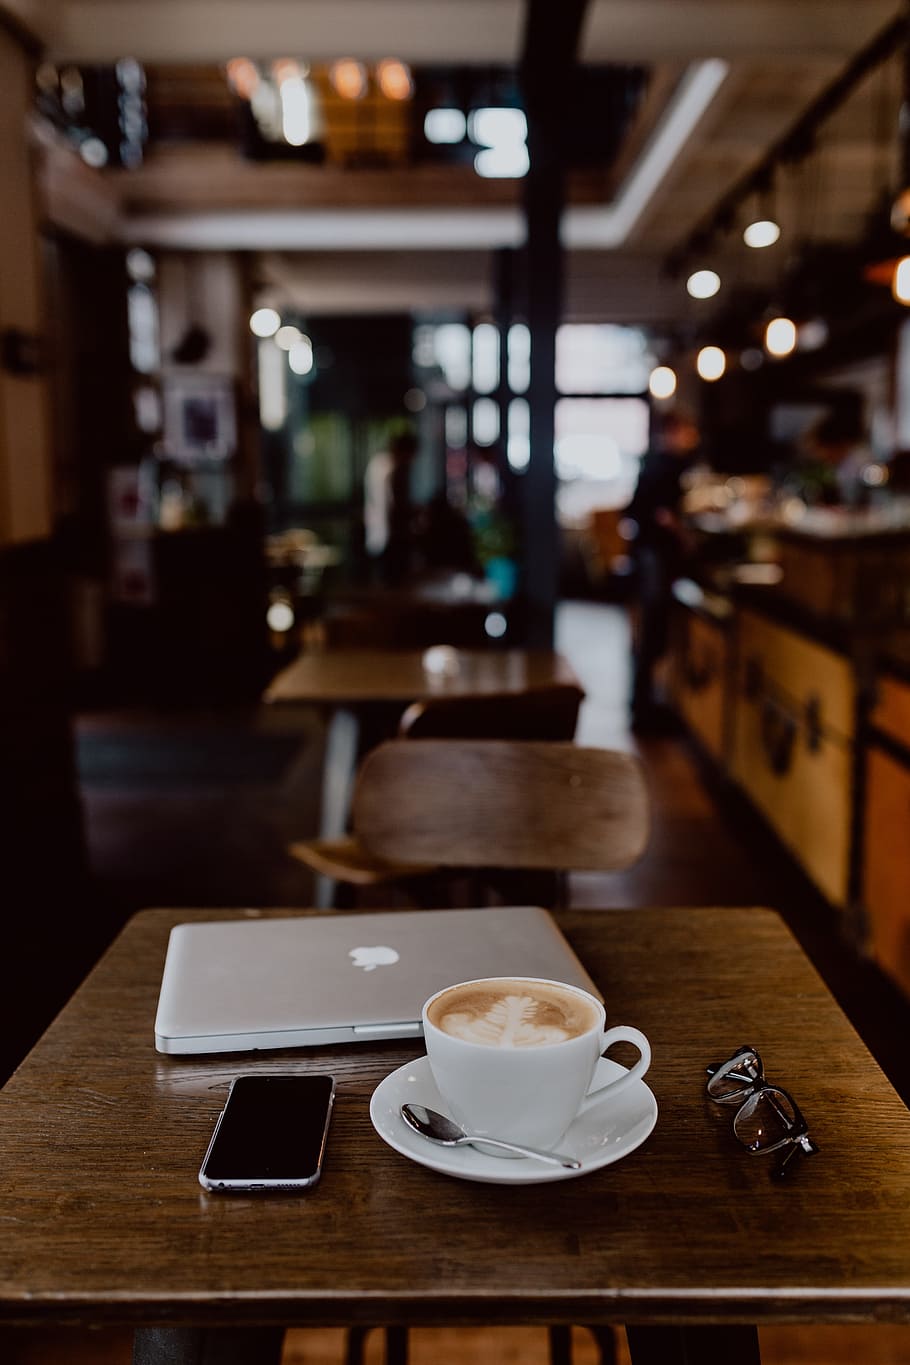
[514,1057]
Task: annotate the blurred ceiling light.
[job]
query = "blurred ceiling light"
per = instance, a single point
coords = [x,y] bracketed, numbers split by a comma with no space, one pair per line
[288,336]
[812,335]
[93,152]
[502,163]
[243,77]
[280,616]
[495,127]
[264,322]
[140,265]
[349,78]
[662,382]
[763,232]
[900,285]
[495,625]
[442,126]
[703,284]
[780,336]
[395,79]
[273,407]
[875,475]
[296,110]
[285,69]
[300,356]
[710,363]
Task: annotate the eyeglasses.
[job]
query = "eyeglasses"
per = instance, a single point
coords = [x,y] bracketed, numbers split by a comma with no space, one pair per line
[768,1119]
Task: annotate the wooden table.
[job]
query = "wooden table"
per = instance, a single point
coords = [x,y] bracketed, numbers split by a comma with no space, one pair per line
[103,1220]
[359,687]
[349,677]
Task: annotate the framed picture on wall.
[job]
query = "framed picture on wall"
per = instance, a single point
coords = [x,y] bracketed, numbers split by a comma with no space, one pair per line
[200,419]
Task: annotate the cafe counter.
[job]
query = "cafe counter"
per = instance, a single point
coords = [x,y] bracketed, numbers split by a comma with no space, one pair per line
[794,678]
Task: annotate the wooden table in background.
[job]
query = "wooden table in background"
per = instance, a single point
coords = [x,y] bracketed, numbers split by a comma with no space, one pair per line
[355,686]
[103,1220]
[350,677]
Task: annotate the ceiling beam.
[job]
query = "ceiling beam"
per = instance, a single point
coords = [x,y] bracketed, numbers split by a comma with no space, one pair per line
[668,30]
[799,139]
[451,31]
[467,31]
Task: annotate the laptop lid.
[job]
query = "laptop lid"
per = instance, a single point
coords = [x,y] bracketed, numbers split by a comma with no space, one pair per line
[239,984]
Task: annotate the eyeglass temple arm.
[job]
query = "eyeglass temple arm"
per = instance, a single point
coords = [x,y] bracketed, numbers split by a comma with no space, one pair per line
[746,1050]
[802,1144]
[734,1075]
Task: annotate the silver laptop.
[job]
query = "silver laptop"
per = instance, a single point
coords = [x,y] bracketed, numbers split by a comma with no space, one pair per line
[230,986]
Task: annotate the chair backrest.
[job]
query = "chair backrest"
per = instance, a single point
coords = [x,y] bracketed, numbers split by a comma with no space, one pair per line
[502,803]
[549,713]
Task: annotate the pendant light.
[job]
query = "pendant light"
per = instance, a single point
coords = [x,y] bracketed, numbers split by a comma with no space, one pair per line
[662,382]
[763,230]
[900,284]
[780,337]
[703,284]
[710,363]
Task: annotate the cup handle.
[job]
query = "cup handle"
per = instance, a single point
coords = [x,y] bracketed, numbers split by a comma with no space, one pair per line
[625,1034]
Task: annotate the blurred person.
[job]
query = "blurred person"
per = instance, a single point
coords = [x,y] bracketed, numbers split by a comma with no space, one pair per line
[829,466]
[660,545]
[446,540]
[387,510]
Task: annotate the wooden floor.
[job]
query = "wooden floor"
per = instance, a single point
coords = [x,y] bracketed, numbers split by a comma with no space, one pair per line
[165,833]
[876,1345]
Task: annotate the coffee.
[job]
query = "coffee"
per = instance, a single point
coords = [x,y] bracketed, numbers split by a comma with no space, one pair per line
[513,1013]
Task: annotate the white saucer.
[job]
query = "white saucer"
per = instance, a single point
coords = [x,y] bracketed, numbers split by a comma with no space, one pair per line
[608,1131]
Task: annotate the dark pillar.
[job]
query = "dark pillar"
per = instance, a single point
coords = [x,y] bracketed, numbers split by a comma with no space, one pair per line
[548,60]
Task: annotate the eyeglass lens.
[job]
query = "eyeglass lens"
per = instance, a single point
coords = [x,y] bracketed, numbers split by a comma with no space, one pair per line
[766,1120]
[736,1078]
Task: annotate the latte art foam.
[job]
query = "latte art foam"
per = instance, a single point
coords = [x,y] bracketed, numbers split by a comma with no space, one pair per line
[512,1014]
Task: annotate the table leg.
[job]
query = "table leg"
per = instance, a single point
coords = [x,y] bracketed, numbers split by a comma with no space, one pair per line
[396,1346]
[720,1345]
[207,1346]
[342,745]
[560,1345]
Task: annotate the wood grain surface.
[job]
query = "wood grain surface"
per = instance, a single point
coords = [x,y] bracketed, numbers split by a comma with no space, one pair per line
[502,803]
[341,676]
[103,1221]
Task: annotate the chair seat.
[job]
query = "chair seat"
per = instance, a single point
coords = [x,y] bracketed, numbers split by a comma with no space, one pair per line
[347,860]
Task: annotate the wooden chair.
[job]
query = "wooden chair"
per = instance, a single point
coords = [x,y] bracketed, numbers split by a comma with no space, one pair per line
[502,803]
[423,805]
[542,713]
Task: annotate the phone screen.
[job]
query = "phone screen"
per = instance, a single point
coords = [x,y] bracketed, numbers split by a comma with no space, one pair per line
[271,1132]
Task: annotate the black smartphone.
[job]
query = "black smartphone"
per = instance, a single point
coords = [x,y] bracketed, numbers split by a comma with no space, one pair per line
[271,1134]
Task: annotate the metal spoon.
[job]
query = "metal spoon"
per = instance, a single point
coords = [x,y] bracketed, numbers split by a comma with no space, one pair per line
[438,1128]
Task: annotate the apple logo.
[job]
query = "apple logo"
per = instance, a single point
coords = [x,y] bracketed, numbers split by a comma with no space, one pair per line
[371,958]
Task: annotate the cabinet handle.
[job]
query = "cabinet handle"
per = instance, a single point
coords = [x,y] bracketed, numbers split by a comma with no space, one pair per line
[753,677]
[778,733]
